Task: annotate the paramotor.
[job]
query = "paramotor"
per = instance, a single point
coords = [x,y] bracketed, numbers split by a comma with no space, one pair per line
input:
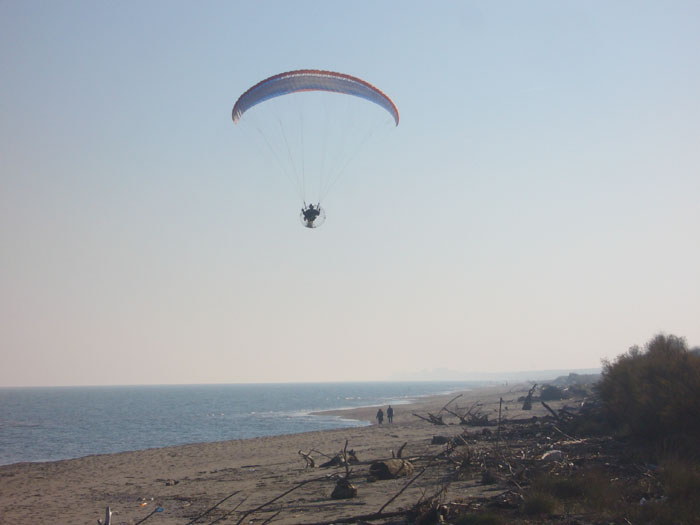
[311,136]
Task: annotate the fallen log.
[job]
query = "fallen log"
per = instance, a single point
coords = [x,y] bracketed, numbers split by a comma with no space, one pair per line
[390,469]
[335,461]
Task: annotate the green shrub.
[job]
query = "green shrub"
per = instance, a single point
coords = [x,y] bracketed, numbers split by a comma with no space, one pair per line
[655,393]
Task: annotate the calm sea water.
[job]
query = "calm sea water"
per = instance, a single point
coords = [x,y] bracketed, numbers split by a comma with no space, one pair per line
[47,424]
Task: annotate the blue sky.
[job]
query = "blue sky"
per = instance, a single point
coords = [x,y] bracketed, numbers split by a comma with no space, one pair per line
[537,206]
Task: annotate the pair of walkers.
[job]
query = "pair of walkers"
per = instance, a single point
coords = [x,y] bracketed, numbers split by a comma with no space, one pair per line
[389,415]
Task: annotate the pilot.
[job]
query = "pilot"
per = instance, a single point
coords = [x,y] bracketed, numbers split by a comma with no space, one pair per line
[310,213]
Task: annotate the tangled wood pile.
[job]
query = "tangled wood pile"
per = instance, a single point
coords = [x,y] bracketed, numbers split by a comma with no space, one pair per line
[472,416]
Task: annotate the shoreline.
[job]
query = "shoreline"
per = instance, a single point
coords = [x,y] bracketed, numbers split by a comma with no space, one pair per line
[187,479]
[420,400]
[319,413]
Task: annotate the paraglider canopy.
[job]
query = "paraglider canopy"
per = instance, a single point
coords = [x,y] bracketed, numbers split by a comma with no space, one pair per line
[311,80]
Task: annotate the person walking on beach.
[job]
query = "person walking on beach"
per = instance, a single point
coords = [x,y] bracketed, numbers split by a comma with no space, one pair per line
[390,414]
[380,416]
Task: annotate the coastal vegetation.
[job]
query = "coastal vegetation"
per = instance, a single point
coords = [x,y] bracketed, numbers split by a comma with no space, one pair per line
[646,414]
[652,395]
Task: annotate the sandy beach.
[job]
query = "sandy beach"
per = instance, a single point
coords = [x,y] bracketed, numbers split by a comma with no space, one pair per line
[187,480]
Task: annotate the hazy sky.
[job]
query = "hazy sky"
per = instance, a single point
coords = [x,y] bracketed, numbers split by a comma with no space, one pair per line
[538,206]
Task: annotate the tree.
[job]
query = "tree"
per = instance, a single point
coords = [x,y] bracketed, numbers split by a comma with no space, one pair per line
[653,393]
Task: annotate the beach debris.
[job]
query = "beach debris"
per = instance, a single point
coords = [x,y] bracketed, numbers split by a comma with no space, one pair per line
[440,440]
[430,418]
[309,461]
[429,512]
[199,516]
[527,402]
[398,452]
[108,518]
[344,490]
[553,455]
[473,416]
[335,461]
[488,477]
[171,482]
[390,469]
[341,459]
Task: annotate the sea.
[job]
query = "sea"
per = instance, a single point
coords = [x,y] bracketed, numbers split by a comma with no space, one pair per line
[54,423]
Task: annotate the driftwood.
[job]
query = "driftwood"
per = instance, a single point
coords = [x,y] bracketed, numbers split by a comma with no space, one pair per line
[527,404]
[343,488]
[549,409]
[227,514]
[310,463]
[450,402]
[262,506]
[473,416]
[108,518]
[340,460]
[390,469]
[403,488]
[335,461]
[435,420]
[398,453]
[211,508]
[268,520]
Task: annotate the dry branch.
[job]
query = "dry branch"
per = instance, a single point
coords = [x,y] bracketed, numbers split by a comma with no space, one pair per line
[211,508]
[435,420]
[295,487]
[234,509]
[414,478]
[310,463]
[450,402]
[398,453]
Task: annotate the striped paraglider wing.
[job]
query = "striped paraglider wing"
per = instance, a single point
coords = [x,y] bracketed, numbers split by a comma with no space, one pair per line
[311,80]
